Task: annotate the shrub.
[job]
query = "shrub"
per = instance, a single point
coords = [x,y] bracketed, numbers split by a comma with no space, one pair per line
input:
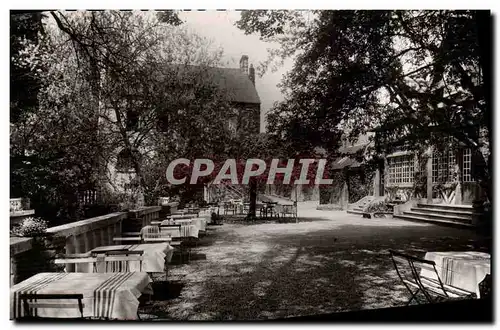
[378,207]
[30,227]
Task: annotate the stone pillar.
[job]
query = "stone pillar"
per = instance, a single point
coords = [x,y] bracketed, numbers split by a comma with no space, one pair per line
[12,271]
[459,169]
[386,175]
[429,176]
[70,249]
[86,239]
[315,193]
[376,183]
[110,234]
[344,198]
[80,243]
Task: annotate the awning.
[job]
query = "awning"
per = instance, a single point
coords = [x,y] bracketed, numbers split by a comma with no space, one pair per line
[342,162]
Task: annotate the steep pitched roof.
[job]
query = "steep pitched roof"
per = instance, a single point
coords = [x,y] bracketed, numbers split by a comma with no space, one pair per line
[236,83]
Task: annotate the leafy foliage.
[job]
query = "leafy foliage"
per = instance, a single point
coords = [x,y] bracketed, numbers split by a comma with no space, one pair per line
[416,77]
[30,227]
[96,70]
[380,206]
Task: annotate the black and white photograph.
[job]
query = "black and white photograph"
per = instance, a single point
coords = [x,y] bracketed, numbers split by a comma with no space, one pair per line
[278,165]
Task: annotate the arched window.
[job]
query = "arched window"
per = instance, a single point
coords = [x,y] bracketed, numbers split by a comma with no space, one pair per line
[124,161]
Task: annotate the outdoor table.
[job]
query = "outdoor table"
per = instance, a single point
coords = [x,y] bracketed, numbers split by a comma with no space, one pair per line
[183,231]
[182,216]
[201,223]
[155,255]
[105,295]
[269,207]
[182,221]
[464,270]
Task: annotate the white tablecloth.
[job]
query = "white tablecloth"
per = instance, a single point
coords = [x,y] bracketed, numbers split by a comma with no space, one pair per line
[109,295]
[154,257]
[200,223]
[463,270]
[184,231]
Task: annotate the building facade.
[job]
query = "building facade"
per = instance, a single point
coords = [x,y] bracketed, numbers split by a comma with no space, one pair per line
[237,85]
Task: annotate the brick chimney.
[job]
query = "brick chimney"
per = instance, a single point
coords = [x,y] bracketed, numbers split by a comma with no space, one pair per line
[244,64]
[251,74]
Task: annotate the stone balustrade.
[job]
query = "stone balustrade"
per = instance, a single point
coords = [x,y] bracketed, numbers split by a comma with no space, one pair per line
[18,246]
[81,236]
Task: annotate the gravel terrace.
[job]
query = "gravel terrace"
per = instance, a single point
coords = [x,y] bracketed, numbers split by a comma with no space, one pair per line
[330,261]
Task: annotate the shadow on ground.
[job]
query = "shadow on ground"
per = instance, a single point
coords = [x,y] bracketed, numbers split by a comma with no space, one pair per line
[272,271]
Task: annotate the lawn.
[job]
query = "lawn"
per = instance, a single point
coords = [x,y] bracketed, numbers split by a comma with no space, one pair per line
[328,262]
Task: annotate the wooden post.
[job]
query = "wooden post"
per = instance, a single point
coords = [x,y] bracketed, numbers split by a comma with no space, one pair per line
[429,176]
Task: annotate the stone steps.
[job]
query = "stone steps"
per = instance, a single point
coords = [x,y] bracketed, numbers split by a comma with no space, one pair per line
[450,217]
[434,221]
[440,214]
[358,209]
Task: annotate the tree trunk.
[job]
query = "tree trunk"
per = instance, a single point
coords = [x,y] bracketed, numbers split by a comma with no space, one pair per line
[252,212]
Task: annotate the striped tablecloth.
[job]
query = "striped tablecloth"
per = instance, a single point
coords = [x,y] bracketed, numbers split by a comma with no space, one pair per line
[184,231]
[105,295]
[464,270]
[155,255]
[200,223]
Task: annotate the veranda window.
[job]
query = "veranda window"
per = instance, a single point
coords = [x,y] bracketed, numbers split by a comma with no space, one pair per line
[401,169]
[466,169]
[443,166]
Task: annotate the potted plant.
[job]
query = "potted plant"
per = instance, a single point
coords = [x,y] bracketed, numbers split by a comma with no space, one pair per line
[45,246]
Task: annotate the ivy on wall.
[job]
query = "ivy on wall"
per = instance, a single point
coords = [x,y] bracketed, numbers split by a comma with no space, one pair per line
[360,183]
[331,194]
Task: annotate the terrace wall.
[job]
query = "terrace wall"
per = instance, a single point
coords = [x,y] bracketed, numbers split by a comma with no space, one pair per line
[29,256]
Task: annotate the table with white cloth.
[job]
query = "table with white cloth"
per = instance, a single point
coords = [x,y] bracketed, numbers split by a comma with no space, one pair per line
[464,270]
[201,223]
[105,295]
[198,222]
[182,221]
[154,257]
[185,230]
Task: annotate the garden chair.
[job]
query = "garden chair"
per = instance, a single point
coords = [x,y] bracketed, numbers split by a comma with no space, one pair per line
[433,290]
[289,210]
[49,301]
[77,259]
[229,207]
[154,234]
[118,261]
[182,243]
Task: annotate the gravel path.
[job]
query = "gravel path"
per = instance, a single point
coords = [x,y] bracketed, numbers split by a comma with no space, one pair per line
[328,262]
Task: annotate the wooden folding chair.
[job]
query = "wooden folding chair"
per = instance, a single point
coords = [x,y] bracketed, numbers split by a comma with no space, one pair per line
[154,234]
[433,290]
[177,241]
[229,207]
[289,210]
[31,302]
[118,261]
[71,259]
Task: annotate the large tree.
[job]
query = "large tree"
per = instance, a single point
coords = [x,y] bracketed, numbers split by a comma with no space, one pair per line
[422,75]
[116,82]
